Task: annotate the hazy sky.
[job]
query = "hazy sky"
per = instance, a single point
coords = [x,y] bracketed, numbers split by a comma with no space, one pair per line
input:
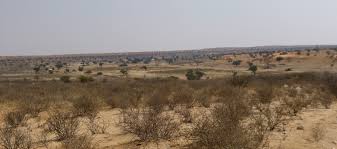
[29,27]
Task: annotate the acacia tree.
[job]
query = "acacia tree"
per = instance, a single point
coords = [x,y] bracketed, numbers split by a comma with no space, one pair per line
[253,69]
[124,71]
[101,64]
[36,68]
[236,63]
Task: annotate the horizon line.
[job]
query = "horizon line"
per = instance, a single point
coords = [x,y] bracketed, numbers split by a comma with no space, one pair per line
[164,50]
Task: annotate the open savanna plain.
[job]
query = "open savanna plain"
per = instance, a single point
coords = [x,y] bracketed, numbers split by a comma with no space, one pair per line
[276,100]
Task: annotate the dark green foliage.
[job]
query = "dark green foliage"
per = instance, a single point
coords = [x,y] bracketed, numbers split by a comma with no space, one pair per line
[194,75]
[253,69]
[84,79]
[236,63]
[59,65]
[65,79]
[279,59]
[80,68]
[124,71]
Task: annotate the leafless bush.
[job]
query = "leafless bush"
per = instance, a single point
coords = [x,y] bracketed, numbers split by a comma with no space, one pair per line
[324,97]
[33,106]
[239,81]
[331,82]
[273,115]
[80,142]
[159,99]
[265,93]
[318,132]
[202,97]
[11,138]
[116,101]
[63,124]
[224,129]
[295,104]
[96,126]
[14,119]
[122,100]
[185,113]
[148,124]
[181,96]
[86,106]
[125,97]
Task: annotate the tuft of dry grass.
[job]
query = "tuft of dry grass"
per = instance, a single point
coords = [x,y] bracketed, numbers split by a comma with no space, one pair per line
[11,138]
[318,132]
[79,142]
[14,119]
[86,106]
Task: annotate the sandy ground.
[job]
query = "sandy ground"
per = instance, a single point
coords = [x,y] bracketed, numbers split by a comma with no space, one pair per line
[298,131]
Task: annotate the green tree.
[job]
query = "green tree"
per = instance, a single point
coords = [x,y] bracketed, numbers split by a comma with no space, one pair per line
[253,69]
[194,74]
[124,71]
[236,63]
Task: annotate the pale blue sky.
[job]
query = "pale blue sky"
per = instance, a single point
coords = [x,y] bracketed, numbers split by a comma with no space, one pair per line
[29,27]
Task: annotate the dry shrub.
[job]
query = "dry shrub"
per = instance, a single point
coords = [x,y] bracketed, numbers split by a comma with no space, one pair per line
[224,129]
[318,132]
[159,99]
[80,142]
[331,82]
[63,124]
[295,102]
[14,119]
[126,96]
[295,105]
[96,126]
[11,138]
[116,101]
[86,106]
[181,96]
[148,124]
[85,79]
[122,100]
[230,93]
[203,96]
[273,115]
[323,97]
[160,93]
[265,93]
[239,81]
[185,113]
[33,106]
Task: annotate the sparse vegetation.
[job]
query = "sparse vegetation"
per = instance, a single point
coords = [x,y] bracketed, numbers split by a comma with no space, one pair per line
[63,124]
[194,75]
[11,138]
[84,79]
[220,110]
[86,106]
[148,124]
[79,142]
[65,79]
[318,132]
[14,119]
